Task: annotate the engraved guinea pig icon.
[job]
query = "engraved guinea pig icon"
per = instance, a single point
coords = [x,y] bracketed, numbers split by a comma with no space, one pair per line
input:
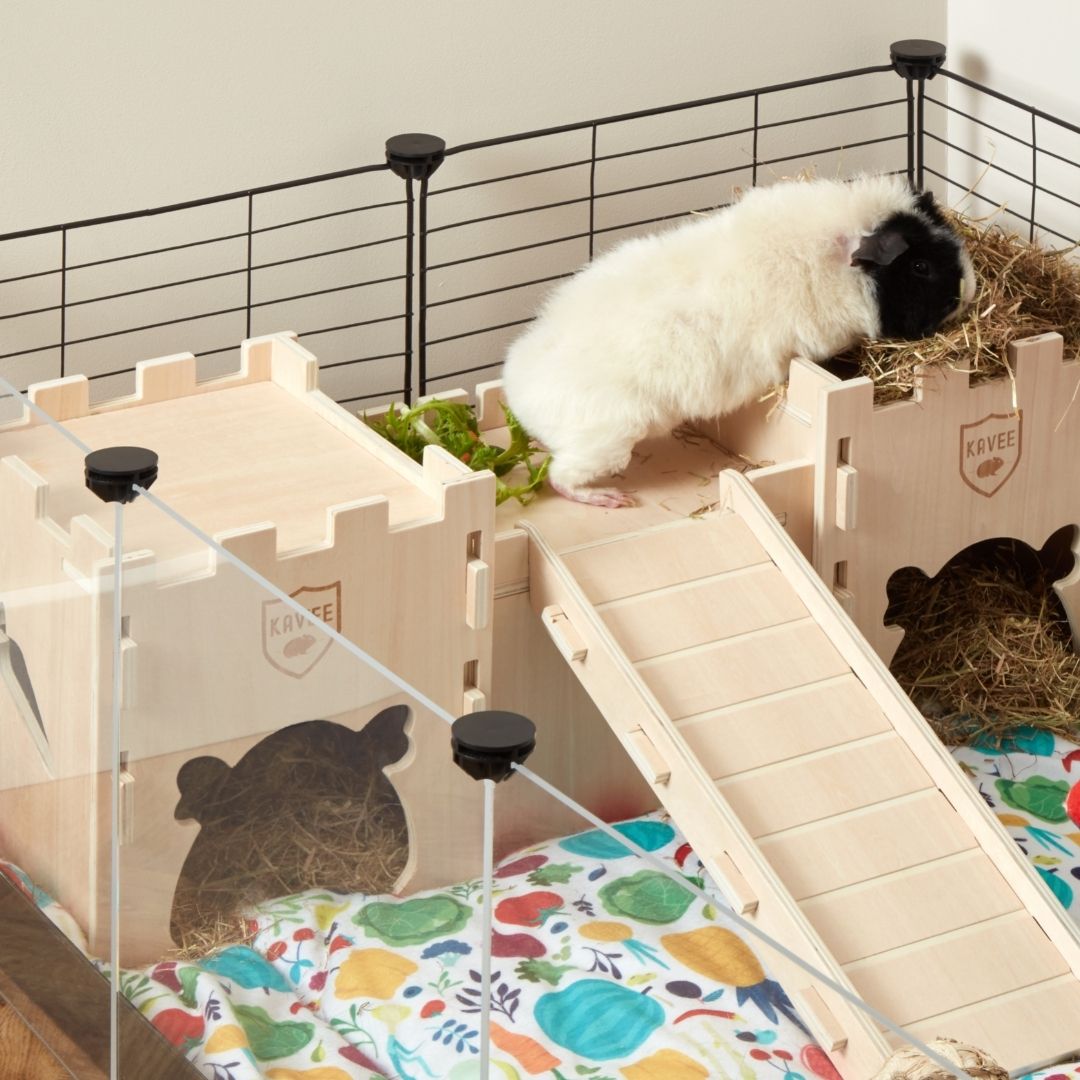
[989,467]
[298,646]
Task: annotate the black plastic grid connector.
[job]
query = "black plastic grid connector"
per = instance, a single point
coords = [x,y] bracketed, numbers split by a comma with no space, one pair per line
[415,156]
[113,473]
[488,744]
[917,58]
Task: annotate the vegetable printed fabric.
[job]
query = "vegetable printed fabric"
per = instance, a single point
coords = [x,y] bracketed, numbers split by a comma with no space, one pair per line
[602,969]
[1032,783]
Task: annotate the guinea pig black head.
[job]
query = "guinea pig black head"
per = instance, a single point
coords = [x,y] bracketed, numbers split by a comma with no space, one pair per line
[921,270]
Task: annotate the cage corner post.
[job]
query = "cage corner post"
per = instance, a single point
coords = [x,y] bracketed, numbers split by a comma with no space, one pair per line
[117,475]
[916,60]
[486,746]
[415,156]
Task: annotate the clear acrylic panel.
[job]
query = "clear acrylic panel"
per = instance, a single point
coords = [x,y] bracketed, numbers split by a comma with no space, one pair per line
[282,795]
[56,730]
[308,882]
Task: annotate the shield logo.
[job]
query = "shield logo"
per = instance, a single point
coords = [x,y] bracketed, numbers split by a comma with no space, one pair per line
[990,450]
[292,642]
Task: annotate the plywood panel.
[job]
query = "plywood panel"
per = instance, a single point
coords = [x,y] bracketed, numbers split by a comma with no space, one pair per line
[195,437]
[911,905]
[742,668]
[1040,1023]
[832,782]
[957,969]
[920,507]
[576,750]
[866,844]
[662,557]
[652,624]
[783,725]
[669,477]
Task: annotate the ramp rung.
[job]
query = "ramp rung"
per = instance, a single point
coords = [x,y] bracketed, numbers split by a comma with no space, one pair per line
[832,782]
[1025,1027]
[866,843]
[910,905]
[656,559]
[783,725]
[705,610]
[964,967]
[742,668]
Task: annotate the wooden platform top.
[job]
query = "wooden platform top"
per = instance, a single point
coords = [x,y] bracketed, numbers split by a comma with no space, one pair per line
[672,477]
[228,459]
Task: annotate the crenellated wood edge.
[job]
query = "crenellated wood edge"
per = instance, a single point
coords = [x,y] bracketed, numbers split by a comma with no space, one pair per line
[703,814]
[511,566]
[277,358]
[739,496]
[783,429]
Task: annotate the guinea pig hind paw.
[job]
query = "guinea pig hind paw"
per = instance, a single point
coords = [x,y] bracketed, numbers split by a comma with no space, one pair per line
[611,498]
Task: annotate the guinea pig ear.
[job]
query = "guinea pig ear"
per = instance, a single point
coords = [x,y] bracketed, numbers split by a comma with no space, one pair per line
[200,781]
[879,248]
[928,205]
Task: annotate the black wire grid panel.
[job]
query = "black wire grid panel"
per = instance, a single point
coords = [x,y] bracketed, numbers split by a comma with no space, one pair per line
[329,256]
[442,255]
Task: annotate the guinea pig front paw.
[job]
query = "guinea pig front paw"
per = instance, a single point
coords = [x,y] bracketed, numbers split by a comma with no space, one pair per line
[611,498]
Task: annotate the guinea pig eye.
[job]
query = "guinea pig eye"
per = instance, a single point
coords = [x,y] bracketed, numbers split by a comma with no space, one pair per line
[920,268]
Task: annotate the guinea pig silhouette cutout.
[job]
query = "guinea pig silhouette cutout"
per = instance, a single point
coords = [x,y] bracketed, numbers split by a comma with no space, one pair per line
[309,807]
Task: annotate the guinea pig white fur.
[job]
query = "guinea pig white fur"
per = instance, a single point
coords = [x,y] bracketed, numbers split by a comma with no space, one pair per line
[697,321]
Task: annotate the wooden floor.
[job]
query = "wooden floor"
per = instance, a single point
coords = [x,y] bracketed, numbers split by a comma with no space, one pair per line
[22,1056]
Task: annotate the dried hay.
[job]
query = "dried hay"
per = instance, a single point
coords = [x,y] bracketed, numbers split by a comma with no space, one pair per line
[316,816]
[987,645]
[1022,289]
[907,1063]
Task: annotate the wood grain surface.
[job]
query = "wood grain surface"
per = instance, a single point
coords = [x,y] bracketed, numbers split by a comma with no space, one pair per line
[22,1056]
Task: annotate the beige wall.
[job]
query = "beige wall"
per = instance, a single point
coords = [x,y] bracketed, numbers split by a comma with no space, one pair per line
[1028,53]
[106,105]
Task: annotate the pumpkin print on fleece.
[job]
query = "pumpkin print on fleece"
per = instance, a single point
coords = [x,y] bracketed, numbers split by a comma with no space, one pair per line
[598,1020]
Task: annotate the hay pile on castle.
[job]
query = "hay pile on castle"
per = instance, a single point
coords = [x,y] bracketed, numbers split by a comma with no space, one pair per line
[1023,289]
[987,646]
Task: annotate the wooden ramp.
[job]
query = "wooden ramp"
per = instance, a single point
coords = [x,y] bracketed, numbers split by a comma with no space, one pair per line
[817,796]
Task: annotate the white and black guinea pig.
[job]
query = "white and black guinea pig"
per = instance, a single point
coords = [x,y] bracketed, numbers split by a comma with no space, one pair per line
[696,322]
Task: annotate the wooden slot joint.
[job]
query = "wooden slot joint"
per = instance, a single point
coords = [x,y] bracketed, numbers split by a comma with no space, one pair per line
[473,698]
[478,594]
[844,596]
[479,584]
[567,640]
[845,497]
[649,760]
[126,797]
[128,666]
[820,1020]
[733,885]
